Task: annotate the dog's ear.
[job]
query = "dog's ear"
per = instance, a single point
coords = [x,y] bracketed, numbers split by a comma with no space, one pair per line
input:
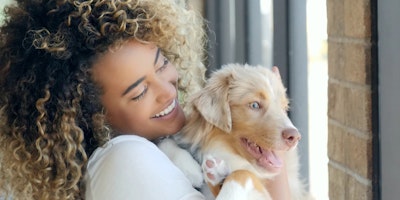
[213,104]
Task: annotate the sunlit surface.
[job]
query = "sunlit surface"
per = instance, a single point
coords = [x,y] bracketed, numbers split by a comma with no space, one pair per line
[317,83]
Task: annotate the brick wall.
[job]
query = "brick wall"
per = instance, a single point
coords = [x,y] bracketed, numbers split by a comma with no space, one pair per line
[350,99]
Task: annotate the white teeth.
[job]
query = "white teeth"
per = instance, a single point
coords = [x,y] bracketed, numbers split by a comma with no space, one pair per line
[167,110]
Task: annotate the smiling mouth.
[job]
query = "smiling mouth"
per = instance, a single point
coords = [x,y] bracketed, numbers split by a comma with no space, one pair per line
[166,111]
[266,158]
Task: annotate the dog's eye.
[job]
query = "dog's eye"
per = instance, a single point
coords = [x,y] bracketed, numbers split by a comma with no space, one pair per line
[254,105]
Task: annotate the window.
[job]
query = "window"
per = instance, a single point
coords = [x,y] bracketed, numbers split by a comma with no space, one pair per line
[238,27]
[389,98]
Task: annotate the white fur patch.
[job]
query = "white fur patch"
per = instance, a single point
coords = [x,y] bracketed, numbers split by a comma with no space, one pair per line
[184,161]
[234,191]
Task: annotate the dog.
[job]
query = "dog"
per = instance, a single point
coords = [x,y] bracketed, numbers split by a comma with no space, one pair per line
[239,130]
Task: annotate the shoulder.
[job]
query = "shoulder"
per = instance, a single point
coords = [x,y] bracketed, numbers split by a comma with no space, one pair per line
[126,151]
[131,166]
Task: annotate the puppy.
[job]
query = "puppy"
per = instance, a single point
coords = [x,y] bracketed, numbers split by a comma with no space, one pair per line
[238,128]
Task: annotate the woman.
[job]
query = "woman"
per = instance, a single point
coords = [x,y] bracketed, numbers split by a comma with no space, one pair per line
[78,75]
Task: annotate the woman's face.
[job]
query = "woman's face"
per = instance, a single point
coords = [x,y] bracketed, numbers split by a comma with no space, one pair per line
[139,91]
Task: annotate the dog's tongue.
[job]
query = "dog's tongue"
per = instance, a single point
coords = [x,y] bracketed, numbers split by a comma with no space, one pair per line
[269,159]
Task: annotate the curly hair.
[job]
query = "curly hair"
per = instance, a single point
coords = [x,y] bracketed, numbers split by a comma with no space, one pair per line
[51,117]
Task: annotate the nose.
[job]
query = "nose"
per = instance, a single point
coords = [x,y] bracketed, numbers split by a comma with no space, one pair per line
[165,91]
[165,86]
[291,136]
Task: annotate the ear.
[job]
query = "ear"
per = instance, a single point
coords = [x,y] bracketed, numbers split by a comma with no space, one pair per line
[213,104]
[275,70]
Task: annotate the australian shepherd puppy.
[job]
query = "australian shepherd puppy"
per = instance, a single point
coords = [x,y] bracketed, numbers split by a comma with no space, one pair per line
[241,133]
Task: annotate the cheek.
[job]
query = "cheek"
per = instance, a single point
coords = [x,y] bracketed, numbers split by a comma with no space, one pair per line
[126,118]
[118,111]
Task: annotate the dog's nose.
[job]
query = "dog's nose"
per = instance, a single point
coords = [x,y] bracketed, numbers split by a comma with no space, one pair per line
[291,136]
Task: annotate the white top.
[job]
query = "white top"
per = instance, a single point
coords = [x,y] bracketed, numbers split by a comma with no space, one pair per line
[131,167]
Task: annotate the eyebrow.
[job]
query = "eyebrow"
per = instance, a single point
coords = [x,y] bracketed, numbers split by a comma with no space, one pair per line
[157,55]
[131,87]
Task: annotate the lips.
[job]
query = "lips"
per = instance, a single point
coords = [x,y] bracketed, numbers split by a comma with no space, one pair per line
[266,158]
[167,110]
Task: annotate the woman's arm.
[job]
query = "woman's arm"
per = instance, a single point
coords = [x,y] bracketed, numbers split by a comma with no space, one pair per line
[279,186]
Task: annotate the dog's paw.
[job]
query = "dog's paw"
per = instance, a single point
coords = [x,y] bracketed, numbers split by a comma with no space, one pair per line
[184,161]
[215,170]
[191,169]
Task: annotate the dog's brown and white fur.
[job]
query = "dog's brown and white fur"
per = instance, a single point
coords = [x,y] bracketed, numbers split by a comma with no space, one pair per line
[238,124]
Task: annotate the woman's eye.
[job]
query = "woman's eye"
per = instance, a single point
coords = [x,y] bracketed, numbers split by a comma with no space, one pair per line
[254,105]
[166,61]
[141,95]
[165,65]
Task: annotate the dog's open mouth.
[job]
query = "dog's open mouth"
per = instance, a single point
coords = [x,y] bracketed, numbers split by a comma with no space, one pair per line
[265,158]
